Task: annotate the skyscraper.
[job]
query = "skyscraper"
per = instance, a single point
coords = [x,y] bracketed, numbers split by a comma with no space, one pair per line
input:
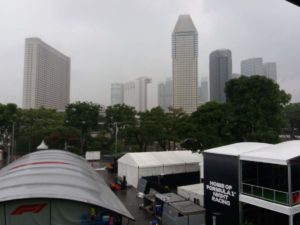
[270,71]
[165,94]
[185,64]
[203,95]
[220,71]
[253,66]
[46,76]
[116,94]
[135,93]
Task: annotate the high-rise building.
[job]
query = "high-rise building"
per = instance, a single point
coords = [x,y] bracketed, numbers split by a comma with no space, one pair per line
[185,64]
[220,71]
[116,94]
[203,92]
[135,93]
[270,70]
[46,76]
[253,66]
[165,94]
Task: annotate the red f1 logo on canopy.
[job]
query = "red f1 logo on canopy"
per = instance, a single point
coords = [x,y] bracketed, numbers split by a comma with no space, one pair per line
[33,208]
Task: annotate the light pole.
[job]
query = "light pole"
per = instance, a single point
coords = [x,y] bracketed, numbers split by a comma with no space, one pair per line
[82,137]
[10,150]
[13,140]
[116,137]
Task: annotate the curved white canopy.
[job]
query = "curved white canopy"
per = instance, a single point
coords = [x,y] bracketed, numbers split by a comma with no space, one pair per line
[60,175]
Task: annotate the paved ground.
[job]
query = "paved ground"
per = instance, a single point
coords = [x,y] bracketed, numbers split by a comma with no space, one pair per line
[129,199]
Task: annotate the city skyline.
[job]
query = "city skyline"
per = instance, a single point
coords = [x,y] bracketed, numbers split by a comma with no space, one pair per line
[89,32]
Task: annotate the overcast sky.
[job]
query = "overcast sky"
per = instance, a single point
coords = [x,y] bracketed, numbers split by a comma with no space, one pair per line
[119,40]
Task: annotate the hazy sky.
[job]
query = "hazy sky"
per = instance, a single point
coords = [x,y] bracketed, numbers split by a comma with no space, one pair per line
[119,40]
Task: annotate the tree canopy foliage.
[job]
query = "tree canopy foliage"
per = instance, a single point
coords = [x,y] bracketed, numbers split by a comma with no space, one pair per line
[256,105]
[292,112]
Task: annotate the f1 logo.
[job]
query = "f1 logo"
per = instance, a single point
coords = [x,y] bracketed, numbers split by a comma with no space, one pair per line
[33,208]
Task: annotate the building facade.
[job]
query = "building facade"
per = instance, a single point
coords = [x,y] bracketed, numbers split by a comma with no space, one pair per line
[46,76]
[253,66]
[220,71]
[116,94]
[270,70]
[135,93]
[203,92]
[185,64]
[165,94]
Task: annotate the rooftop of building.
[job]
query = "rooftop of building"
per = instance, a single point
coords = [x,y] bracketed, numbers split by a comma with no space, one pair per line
[280,153]
[184,24]
[237,149]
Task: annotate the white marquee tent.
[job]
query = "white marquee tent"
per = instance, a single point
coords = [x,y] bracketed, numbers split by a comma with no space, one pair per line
[139,164]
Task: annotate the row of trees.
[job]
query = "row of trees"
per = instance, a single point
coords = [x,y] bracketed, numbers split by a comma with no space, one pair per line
[255,110]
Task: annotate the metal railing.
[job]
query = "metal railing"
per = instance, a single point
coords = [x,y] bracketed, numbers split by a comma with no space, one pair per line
[268,194]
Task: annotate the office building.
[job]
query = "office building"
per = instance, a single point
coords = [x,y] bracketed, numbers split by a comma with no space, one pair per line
[203,92]
[220,71]
[46,76]
[270,71]
[185,64]
[253,66]
[116,94]
[165,94]
[135,93]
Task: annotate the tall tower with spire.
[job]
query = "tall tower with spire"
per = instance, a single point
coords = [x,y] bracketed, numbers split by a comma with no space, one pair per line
[185,64]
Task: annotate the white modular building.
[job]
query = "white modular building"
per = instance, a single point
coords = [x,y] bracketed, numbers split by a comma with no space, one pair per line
[53,187]
[142,164]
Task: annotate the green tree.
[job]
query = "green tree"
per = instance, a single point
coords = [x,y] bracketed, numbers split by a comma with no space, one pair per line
[36,125]
[292,112]
[120,122]
[180,126]
[9,116]
[208,127]
[84,116]
[256,104]
[154,127]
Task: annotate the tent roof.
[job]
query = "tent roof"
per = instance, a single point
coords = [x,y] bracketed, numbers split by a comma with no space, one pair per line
[156,159]
[237,148]
[277,154]
[57,174]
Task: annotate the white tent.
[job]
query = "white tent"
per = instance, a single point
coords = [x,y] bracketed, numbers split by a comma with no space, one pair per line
[140,164]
